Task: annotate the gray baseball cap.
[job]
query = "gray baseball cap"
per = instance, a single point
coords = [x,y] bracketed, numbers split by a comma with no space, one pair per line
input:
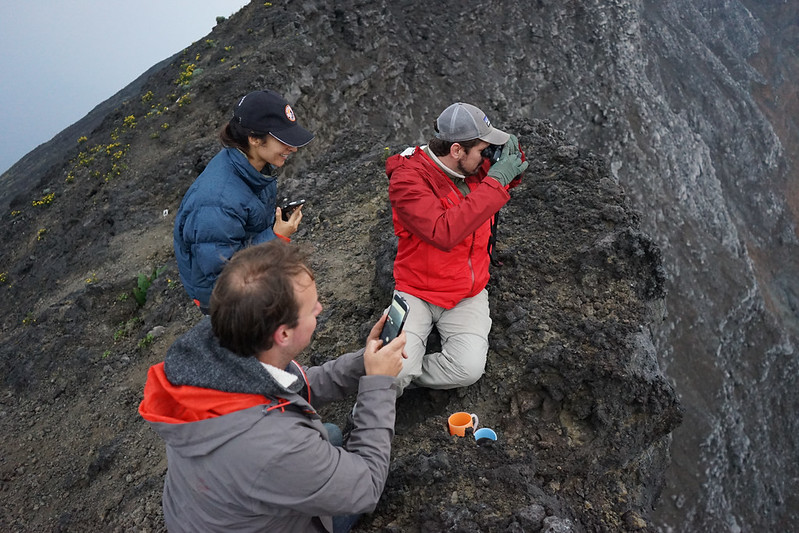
[463,122]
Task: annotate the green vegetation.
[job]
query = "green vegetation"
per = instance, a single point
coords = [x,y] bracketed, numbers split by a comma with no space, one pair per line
[146,341]
[124,329]
[143,283]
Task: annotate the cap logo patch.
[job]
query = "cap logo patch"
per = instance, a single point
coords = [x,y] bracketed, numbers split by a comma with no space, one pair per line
[290,113]
[488,122]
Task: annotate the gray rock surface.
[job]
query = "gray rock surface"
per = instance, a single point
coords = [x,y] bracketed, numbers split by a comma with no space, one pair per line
[691,105]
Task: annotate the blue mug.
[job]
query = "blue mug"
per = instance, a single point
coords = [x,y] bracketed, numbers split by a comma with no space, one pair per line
[485,436]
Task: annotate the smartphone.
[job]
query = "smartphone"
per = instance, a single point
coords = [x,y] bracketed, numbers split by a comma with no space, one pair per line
[287,208]
[397,314]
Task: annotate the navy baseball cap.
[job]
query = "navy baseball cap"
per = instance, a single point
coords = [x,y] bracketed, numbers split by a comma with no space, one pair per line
[267,112]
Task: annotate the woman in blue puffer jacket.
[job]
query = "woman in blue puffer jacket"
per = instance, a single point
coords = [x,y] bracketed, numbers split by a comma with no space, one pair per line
[232,203]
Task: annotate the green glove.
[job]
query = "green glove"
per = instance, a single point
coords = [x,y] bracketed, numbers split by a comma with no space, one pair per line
[512,146]
[508,167]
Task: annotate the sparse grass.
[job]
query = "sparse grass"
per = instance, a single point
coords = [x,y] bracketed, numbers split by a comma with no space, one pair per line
[184,78]
[100,155]
[29,319]
[124,329]
[146,341]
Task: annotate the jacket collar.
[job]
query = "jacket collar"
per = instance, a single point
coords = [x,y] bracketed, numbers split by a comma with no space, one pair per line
[198,360]
[257,181]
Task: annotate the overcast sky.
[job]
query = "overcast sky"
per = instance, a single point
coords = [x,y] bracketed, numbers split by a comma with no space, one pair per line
[61,58]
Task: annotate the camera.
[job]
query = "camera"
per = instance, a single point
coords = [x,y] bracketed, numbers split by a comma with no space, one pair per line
[287,208]
[492,152]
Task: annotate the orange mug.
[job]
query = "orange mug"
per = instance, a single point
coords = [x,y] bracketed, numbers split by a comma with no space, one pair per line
[458,422]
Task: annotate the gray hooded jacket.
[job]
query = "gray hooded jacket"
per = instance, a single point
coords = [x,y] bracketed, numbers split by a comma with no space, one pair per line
[268,467]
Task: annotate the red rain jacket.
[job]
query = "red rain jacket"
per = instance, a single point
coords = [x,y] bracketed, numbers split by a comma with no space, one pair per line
[442,253]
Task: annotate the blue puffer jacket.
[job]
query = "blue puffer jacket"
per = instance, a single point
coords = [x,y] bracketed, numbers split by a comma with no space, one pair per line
[228,207]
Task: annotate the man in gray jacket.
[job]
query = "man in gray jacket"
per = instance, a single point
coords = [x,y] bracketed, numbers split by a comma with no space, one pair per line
[246,449]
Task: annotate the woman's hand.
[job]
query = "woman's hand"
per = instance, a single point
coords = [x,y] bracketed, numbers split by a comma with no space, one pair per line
[287,228]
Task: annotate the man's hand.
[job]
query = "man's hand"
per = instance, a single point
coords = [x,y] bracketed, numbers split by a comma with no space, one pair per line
[379,360]
[287,228]
[509,166]
[511,147]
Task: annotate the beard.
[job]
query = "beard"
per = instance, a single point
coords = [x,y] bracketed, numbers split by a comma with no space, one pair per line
[466,172]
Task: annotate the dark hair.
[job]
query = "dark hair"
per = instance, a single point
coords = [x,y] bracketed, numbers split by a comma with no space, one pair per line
[235,135]
[254,295]
[441,147]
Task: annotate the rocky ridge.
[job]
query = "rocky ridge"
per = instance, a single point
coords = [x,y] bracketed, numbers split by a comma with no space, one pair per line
[689,104]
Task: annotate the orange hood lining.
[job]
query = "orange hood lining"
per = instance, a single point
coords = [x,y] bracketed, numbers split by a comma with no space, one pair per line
[179,404]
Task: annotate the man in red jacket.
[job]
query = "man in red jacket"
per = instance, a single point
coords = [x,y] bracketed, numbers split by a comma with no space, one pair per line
[444,197]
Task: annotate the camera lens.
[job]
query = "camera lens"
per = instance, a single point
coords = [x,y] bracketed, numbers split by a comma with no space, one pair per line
[492,152]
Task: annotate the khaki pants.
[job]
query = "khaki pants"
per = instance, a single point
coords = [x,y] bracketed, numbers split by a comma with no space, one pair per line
[464,343]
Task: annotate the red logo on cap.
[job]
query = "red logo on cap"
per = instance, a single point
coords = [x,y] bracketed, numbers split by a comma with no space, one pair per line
[290,113]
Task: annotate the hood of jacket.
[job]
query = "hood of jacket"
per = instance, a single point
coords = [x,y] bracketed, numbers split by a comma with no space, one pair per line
[197,359]
[204,395]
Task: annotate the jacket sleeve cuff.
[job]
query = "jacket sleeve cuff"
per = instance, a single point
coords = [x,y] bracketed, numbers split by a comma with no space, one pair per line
[491,181]
[494,182]
[375,382]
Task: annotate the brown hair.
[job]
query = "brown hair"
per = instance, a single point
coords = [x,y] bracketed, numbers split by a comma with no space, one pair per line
[235,135]
[254,295]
